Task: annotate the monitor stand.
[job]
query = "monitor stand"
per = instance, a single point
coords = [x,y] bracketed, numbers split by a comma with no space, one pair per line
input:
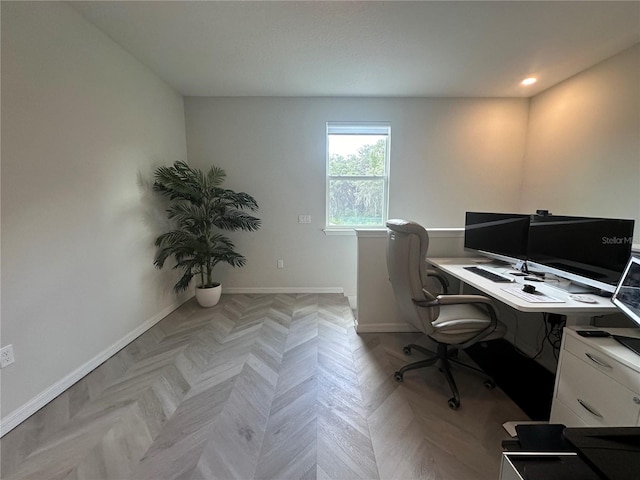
[631,343]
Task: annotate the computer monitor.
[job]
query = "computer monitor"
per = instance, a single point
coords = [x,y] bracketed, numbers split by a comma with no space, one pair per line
[586,250]
[499,235]
[627,298]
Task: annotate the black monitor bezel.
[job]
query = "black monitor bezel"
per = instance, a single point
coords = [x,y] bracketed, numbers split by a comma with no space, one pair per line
[498,254]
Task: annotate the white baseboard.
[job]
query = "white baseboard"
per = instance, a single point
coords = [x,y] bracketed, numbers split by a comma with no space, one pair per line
[260,290]
[20,414]
[385,327]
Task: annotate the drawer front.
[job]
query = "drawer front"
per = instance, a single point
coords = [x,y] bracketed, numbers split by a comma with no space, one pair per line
[560,413]
[604,363]
[595,397]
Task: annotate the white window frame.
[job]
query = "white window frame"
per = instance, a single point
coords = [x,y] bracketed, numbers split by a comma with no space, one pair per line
[359,128]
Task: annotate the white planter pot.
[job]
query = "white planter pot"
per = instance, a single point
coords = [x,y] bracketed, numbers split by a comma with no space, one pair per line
[208,297]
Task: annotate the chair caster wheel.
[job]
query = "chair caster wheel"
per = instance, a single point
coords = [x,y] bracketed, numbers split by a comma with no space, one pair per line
[490,384]
[398,376]
[454,404]
[407,350]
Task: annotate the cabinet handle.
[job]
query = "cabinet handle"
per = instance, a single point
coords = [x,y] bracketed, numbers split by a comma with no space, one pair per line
[597,361]
[589,409]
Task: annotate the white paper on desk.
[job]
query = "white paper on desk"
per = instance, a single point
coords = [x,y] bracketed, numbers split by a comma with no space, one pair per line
[531,297]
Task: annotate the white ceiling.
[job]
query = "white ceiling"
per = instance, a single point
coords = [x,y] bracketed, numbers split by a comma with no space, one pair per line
[348,48]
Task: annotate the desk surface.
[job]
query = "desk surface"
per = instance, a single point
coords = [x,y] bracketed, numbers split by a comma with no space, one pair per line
[569,306]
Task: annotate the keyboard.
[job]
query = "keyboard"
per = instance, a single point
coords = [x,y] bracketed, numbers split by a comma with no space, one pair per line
[531,297]
[494,277]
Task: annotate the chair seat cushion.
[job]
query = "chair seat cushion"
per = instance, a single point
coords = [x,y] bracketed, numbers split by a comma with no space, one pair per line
[459,323]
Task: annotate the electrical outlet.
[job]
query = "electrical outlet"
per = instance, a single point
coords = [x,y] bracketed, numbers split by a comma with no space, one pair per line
[304,218]
[6,356]
[280,263]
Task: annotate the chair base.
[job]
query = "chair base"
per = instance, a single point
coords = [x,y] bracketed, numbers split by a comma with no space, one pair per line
[444,356]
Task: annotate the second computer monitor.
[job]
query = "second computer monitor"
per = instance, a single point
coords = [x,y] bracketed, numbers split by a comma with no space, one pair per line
[501,235]
[591,251]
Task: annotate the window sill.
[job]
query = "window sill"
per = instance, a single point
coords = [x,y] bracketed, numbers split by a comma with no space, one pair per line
[339,231]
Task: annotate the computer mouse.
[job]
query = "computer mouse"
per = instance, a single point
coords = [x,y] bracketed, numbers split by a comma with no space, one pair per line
[529,288]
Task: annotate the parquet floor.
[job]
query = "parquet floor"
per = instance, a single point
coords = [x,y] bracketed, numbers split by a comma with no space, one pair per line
[262,387]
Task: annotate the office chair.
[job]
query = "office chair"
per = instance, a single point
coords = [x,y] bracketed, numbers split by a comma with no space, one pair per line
[453,321]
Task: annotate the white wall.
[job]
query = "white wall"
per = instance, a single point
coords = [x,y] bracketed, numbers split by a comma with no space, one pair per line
[583,148]
[81,120]
[447,156]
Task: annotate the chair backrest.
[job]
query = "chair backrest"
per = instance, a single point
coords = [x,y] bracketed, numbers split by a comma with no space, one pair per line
[407,245]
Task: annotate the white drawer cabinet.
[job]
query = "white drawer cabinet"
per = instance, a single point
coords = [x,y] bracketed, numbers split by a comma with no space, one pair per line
[597,382]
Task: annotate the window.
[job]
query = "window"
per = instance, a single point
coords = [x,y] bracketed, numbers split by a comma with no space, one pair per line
[357,174]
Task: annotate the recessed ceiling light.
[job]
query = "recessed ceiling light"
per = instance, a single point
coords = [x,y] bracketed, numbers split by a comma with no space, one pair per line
[529,81]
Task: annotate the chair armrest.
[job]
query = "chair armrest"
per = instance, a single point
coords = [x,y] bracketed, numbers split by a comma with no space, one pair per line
[442,300]
[452,300]
[440,277]
[458,299]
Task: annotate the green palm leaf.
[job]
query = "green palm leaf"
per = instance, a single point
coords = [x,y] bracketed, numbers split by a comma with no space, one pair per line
[200,209]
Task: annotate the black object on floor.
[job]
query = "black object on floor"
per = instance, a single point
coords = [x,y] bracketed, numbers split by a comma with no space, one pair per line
[545,437]
[526,382]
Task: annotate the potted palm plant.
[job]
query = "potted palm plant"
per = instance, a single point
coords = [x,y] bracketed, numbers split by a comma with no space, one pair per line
[200,209]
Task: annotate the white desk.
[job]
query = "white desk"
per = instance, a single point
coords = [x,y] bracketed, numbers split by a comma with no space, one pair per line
[577,313]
